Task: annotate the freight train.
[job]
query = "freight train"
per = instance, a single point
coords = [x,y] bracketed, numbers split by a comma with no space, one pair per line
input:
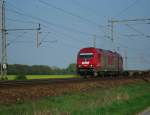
[95,61]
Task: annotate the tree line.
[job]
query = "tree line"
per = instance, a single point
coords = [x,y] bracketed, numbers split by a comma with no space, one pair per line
[14,69]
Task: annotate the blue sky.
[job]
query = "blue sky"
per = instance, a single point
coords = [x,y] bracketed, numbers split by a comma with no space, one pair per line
[68,25]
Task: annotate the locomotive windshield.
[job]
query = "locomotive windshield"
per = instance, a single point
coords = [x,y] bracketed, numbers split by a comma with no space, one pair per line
[86,55]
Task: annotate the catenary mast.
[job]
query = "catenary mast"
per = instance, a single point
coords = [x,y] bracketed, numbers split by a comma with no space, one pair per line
[4,40]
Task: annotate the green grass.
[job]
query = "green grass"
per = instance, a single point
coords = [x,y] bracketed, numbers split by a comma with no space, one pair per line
[122,100]
[12,77]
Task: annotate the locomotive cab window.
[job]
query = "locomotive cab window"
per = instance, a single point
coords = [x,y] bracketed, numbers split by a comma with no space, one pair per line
[86,55]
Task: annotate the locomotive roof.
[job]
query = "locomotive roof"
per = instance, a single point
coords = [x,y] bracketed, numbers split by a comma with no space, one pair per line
[101,50]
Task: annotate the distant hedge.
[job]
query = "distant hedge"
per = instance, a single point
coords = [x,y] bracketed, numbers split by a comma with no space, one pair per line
[15,69]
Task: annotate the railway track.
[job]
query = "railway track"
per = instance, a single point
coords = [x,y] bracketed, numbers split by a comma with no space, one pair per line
[16,83]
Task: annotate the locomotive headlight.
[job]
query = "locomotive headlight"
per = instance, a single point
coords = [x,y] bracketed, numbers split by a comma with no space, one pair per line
[91,65]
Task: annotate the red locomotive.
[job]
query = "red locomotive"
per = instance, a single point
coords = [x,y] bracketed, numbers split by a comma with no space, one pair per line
[94,61]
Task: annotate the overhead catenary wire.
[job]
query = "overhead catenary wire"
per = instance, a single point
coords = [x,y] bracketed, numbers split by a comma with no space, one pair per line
[136,30]
[21,12]
[46,41]
[44,21]
[51,23]
[45,25]
[15,40]
[127,8]
[24,41]
[67,36]
[72,37]
[83,6]
[69,44]
[76,39]
[20,21]
[112,22]
[46,35]
[70,13]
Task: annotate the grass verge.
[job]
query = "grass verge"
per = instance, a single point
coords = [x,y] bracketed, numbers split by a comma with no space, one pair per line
[122,100]
[29,77]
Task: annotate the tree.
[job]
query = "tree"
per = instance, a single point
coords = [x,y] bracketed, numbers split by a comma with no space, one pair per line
[71,69]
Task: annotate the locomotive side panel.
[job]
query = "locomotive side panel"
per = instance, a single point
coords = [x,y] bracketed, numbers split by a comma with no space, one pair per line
[109,62]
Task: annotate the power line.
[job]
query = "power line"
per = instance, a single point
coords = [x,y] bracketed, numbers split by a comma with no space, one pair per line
[52,24]
[57,32]
[74,39]
[46,41]
[130,35]
[21,21]
[112,22]
[70,13]
[21,41]
[21,12]
[68,36]
[44,38]
[15,40]
[48,27]
[84,6]
[72,45]
[143,34]
[127,8]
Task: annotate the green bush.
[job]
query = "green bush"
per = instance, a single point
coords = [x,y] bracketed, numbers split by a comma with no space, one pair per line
[5,78]
[21,76]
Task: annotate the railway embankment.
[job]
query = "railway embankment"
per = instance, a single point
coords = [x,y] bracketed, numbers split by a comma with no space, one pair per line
[115,96]
[20,91]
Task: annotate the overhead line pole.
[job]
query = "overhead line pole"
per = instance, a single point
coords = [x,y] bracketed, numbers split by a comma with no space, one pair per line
[4,44]
[37,33]
[112,32]
[112,22]
[126,58]
[4,41]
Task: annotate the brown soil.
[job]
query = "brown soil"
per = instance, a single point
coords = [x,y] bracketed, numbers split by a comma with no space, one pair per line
[32,92]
